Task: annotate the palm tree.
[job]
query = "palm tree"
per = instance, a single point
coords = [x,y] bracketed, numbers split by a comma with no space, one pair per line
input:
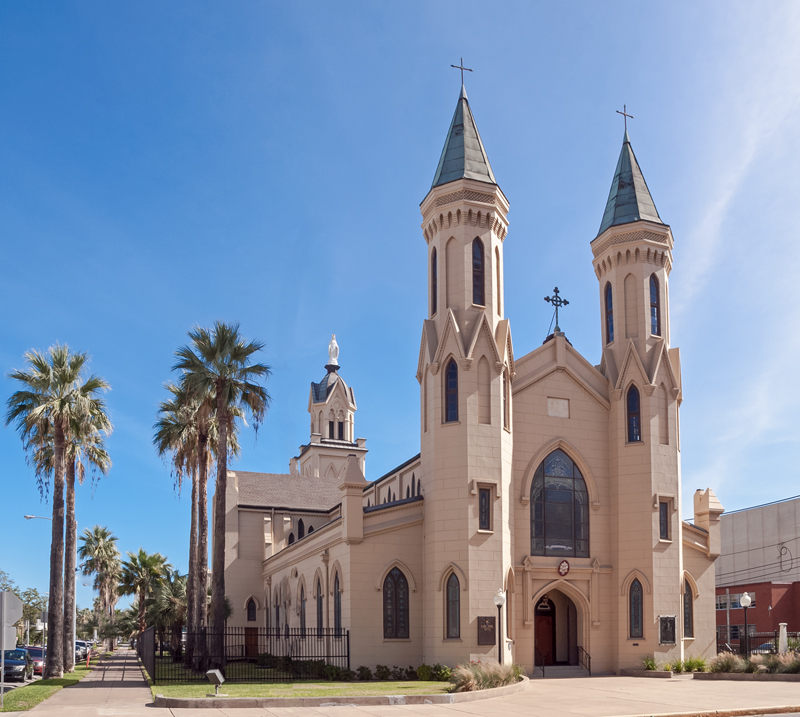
[218,363]
[100,558]
[54,394]
[170,606]
[141,572]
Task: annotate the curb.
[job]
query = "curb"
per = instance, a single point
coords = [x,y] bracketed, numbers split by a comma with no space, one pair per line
[352,701]
[747,676]
[738,712]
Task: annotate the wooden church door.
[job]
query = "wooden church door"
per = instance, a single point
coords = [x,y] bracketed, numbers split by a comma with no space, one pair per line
[544,629]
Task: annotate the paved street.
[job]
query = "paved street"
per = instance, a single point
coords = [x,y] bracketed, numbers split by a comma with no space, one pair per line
[117,689]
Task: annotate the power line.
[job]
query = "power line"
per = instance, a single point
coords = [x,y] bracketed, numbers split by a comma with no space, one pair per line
[763,547]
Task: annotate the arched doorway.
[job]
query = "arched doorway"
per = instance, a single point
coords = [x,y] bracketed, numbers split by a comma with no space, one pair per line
[556,630]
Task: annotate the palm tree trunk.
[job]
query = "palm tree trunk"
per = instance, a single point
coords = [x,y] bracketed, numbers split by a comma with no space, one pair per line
[218,566]
[142,623]
[191,580]
[54,662]
[201,578]
[70,545]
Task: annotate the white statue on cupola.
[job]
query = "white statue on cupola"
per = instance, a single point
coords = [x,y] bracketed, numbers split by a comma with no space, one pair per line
[333,352]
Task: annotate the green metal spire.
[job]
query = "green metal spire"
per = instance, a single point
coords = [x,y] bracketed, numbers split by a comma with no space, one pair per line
[629,199]
[463,155]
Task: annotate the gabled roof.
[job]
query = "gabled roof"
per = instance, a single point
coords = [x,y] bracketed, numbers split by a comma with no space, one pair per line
[284,490]
[629,199]
[463,155]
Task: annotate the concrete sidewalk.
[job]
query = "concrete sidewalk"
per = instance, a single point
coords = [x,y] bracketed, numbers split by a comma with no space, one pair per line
[117,688]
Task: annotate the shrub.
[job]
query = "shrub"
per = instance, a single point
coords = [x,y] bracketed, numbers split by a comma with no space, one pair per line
[695,664]
[364,673]
[265,659]
[727,662]
[649,663]
[790,663]
[382,672]
[441,673]
[307,668]
[675,666]
[411,673]
[332,673]
[346,675]
[755,664]
[519,672]
[425,673]
[483,676]
[398,673]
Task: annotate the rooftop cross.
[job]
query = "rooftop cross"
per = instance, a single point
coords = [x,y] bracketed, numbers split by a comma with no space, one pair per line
[462,68]
[556,301]
[625,114]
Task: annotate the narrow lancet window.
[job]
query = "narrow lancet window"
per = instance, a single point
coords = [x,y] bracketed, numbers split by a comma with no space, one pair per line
[655,306]
[453,607]
[337,607]
[634,416]
[478,296]
[395,605]
[609,314]
[451,392]
[688,610]
[636,610]
[320,612]
[251,610]
[434,282]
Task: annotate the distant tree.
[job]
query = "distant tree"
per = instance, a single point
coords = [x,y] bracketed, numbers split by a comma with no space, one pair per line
[141,573]
[54,395]
[6,583]
[219,362]
[101,558]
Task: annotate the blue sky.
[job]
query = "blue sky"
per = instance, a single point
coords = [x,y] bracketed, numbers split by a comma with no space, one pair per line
[168,164]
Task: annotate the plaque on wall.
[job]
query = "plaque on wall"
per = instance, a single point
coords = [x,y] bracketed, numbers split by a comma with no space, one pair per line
[666,630]
[486,630]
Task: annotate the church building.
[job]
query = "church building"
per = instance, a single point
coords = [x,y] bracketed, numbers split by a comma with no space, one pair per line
[542,482]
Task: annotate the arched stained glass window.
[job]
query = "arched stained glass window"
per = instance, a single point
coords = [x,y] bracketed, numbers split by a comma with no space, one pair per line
[609,314]
[634,416]
[302,610]
[655,306]
[636,609]
[291,538]
[320,613]
[434,281]
[395,605]
[559,508]
[478,282]
[251,610]
[451,392]
[301,529]
[453,597]
[688,610]
[337,606]
[277,611]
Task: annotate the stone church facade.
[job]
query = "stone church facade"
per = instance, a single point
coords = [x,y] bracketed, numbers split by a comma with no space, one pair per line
[549,479]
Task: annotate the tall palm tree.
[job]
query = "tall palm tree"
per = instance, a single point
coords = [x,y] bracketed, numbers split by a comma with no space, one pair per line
[54,393]
[140,574]
[219,363]
[101,558]
[170,605]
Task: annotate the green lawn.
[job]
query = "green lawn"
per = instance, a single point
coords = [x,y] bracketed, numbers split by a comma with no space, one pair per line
[24,698]
[305,689]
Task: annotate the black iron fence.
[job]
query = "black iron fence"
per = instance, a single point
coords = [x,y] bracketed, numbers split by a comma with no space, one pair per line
[249,654]
[757,643]
[146,649]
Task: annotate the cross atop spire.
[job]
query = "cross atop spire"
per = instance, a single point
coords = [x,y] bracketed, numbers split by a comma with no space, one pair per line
[625,114]
[462,68]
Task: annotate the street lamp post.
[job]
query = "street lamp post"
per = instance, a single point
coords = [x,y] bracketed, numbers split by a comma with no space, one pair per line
[499,600]
[745,601]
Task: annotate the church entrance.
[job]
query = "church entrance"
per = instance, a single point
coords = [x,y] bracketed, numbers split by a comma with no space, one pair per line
[555,628]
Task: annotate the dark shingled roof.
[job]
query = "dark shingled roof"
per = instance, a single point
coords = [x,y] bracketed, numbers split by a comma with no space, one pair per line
[283,490]
[323,389]
[629,199]
[463,155]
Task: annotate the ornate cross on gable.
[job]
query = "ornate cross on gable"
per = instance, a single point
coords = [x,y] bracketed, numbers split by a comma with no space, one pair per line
[625,114]
[462,68]
[556,301]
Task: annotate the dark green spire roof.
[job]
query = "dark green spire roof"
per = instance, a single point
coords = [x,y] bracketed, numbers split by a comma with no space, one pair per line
[629,199]
[463,155]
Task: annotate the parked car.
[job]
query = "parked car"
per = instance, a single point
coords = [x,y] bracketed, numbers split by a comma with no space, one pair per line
[81,649]
[19,665]
[37,655]
[766,648]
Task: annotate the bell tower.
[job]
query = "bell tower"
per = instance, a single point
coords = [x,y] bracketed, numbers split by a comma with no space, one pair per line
[465,370]
[632,261]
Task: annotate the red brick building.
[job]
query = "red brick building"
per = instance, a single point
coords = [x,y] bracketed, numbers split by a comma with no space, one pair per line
[773,603]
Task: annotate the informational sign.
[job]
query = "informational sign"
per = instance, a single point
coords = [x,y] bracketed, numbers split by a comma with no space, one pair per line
[486,630]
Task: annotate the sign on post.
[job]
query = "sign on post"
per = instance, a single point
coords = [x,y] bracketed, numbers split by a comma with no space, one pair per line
[10,612]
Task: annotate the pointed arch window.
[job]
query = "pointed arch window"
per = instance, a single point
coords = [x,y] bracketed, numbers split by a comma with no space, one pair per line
[478,279]
[609,301]
[251,610]
[395,605]
[655,306]
[337,607]
[636,609]
[277,611]
[434,281]
[291,538]
[453,597]
[320,613]
[451,392]
[688,610]
[634,416]
[559,508]
[302,611]
[301,529]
